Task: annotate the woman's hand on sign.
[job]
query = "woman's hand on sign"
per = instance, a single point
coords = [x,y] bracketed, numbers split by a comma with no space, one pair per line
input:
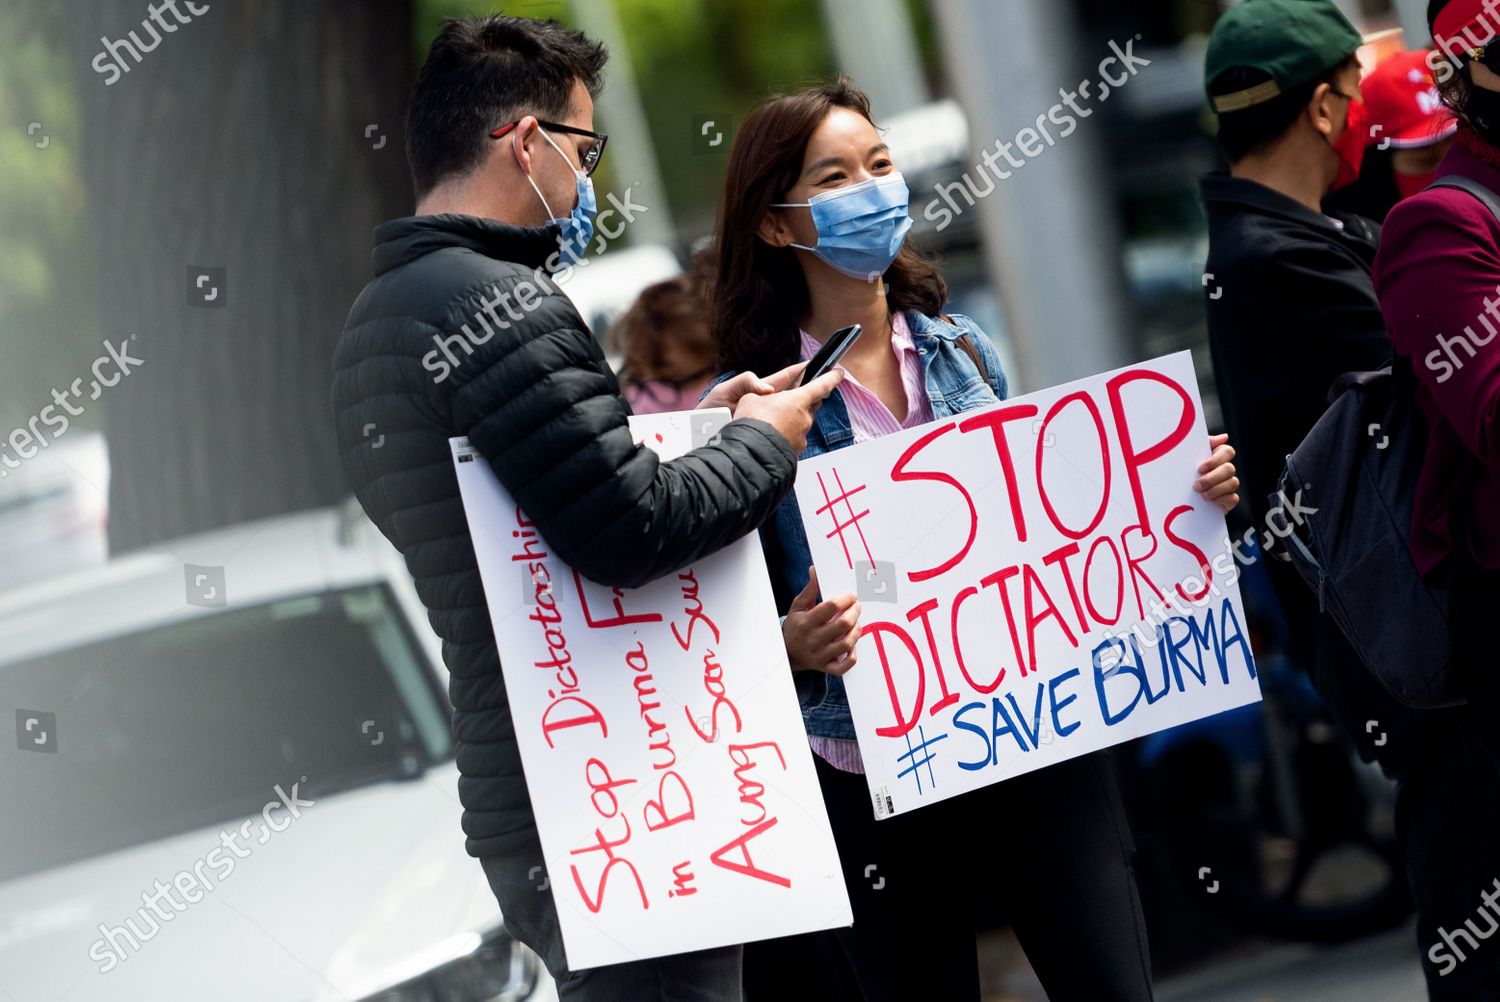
[820,636]
[1216,479]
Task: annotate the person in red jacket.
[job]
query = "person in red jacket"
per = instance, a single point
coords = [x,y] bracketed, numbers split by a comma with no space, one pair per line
[1437,274]
[1438,278]
[1295,307]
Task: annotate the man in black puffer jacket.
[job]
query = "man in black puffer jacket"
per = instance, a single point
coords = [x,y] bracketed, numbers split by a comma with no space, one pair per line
[463,332]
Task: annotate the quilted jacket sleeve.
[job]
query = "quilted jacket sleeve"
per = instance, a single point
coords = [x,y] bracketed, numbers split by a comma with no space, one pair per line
[540,402]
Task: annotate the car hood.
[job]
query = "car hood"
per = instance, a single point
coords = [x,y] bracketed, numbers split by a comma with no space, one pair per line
[366,889]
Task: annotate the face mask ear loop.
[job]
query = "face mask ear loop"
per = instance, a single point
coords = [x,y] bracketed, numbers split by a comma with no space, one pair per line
[794,205]
[529,179]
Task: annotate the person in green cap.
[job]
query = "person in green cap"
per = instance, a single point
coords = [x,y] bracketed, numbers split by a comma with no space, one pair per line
[1284,280]
[1291,307]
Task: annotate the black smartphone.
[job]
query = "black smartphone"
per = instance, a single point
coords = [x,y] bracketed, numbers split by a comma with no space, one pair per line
[833,349]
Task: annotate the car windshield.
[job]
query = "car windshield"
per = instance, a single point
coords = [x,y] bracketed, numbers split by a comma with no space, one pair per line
[195,723]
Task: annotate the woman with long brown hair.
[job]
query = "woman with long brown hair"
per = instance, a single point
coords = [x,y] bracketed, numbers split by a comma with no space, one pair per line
[811,238]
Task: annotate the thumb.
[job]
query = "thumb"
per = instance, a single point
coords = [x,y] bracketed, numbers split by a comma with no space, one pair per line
[785,379]
[823,385]
[808,596]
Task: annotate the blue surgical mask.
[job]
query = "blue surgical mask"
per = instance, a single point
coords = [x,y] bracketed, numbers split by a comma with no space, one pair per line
[575,229]
[861,227]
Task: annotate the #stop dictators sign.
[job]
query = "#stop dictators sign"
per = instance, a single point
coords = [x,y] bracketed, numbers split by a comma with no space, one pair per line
[1038,580]
[660,735]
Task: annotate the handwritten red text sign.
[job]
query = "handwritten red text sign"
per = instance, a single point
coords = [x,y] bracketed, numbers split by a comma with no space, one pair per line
[1038,579]
[663,747]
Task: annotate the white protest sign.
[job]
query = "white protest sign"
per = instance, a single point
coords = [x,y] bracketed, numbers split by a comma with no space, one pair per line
[1038,580]
[660,734]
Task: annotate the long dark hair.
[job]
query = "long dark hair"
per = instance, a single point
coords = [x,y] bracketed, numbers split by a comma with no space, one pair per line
[759,293]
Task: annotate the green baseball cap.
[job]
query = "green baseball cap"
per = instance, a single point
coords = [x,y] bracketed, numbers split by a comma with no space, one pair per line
[1292,40]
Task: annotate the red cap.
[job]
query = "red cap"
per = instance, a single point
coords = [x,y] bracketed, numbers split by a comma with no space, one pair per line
[1465,24]
[1403,103]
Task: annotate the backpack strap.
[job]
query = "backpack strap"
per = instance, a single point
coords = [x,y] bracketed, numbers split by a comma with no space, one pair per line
[1404,375]
[966,343]
[1484,194]
[1406,382]
[1401,370]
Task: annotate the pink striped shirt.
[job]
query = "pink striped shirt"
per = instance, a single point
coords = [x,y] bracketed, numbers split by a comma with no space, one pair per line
[870,418]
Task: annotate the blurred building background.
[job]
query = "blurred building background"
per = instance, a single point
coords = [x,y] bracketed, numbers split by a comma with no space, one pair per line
[261,152]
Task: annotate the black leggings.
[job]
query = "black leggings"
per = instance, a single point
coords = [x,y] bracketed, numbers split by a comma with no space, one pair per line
[1056,844]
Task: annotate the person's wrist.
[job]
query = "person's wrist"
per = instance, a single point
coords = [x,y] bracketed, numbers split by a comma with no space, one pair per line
[772,433]
[791,654]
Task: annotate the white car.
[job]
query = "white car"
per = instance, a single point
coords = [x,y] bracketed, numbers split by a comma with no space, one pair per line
[233,779]
[53,511]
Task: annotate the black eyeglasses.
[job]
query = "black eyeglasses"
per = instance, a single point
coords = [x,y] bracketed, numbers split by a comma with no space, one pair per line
[590,156]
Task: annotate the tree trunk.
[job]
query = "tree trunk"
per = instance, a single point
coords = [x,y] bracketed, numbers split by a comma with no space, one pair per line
[237,142]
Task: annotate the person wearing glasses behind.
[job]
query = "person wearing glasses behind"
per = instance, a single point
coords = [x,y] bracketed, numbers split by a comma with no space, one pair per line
[462,332]
[667,353]
[812,237]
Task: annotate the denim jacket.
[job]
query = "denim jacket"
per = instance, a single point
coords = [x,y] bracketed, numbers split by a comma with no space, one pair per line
[953,385]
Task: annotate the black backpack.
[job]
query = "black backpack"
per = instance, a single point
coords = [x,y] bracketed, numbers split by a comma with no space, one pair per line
[1346,496]
[1350,488]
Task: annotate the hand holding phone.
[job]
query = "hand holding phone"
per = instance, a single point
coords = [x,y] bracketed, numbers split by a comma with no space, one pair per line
[790,411]
[839,342]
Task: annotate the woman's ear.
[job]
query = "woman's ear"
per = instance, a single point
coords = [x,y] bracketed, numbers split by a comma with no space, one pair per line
[773,230]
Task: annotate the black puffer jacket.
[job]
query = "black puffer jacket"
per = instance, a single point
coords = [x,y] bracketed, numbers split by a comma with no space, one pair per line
[539,401]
